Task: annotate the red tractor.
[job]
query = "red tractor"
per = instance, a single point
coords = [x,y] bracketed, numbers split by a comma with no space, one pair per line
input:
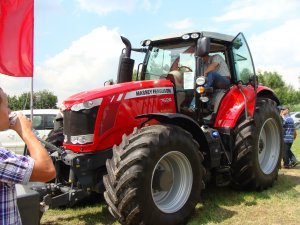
[152,154]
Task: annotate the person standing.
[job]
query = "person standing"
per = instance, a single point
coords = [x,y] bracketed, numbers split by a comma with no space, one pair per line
[18,169]
[289,135]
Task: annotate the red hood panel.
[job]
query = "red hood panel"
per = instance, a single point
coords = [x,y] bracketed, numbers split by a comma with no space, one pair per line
[112,90]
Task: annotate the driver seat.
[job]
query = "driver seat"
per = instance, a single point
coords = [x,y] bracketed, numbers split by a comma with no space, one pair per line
[176,77]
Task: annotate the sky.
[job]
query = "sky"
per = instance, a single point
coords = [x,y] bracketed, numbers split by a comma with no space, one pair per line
[77,42]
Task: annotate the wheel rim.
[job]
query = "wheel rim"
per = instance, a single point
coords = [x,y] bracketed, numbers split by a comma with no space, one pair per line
[171,182]
[268,146]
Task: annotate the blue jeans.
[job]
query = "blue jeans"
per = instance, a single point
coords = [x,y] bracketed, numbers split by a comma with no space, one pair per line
[289,157]
[216,79]
[213,79]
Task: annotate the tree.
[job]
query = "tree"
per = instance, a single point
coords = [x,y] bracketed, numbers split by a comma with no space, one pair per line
[271,79]
[44,100]
[286,93]
[41,100]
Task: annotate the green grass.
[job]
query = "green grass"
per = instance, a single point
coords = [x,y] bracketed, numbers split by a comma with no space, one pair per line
[277,205]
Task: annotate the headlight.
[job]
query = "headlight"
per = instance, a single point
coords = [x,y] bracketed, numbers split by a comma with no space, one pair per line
[82,139]
[87,105]
[200,80]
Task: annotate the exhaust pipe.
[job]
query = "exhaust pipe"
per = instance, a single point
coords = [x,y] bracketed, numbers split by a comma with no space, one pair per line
[126,64]
[127,43]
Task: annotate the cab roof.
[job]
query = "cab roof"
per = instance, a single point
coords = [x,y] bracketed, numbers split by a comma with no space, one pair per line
[215,37]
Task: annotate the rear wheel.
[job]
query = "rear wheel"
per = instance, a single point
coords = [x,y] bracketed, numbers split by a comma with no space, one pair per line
[154,177]
[258,148]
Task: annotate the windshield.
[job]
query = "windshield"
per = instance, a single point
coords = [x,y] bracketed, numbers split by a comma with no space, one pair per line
[163,59]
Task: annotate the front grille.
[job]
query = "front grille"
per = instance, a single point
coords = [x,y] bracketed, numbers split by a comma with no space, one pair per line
[78,123]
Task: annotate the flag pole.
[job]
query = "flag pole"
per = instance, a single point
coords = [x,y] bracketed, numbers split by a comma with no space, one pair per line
[32,36]
[31,99]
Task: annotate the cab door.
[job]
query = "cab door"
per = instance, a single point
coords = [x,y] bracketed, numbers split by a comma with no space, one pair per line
[244,72]
[241,98]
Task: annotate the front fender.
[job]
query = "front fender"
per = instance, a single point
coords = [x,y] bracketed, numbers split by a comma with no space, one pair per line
[233,104]
[180,120]
[209,143]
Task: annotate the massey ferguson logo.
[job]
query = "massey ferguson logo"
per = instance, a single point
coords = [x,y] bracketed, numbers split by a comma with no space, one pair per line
[149,92]
[153,91]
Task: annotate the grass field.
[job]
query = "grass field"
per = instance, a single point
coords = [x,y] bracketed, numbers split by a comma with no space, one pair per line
[279,205]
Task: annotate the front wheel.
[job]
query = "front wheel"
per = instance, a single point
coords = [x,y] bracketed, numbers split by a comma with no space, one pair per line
[154,177]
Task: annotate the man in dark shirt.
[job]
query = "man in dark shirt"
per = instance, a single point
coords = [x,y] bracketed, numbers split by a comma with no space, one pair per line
[290,134]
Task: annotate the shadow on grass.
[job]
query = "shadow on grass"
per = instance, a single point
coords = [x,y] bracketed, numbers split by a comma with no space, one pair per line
[90,218]
[216,202]
[217,205]
[90,211]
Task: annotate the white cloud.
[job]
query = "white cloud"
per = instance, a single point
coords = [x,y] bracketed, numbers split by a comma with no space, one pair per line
[85,65]
[152,5]
[255,10]
[278,50]
[181,24]
[104,6]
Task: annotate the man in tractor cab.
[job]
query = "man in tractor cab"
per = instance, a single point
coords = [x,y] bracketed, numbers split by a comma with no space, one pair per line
[216,72]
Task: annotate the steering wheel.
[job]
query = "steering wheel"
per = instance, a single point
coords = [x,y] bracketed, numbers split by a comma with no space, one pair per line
[186,68]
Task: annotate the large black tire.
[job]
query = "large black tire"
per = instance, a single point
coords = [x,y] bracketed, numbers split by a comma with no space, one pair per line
[258,148]
[154,177]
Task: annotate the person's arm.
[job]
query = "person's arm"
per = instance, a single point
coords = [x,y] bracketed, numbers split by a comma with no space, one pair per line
[295,134]
[211,67]
[43,169]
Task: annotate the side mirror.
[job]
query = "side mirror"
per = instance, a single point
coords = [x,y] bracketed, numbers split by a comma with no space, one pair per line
[203,46]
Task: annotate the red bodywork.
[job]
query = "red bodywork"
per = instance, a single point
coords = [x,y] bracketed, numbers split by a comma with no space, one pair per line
[120,104]
[233,104]
[123,102]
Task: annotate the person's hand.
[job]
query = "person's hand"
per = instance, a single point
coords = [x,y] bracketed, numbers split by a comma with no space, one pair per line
[22,125]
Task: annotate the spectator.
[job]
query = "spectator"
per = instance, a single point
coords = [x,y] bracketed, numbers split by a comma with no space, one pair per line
[17,169]
[289,135]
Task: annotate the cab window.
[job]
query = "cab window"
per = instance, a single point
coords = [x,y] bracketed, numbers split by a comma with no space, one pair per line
[163,59]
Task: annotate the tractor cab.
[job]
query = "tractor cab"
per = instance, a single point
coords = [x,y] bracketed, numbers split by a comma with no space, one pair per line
[179,58]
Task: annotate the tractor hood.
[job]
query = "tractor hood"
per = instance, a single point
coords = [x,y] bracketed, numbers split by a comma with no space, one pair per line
[111,90]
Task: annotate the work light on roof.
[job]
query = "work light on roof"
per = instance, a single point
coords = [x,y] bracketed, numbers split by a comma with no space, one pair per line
[195,35]
[185,36]
[147,42]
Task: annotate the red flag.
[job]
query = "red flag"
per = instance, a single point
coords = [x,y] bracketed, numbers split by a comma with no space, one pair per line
[16,37]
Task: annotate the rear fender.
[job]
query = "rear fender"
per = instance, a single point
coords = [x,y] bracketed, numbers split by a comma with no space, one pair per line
[265,92]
